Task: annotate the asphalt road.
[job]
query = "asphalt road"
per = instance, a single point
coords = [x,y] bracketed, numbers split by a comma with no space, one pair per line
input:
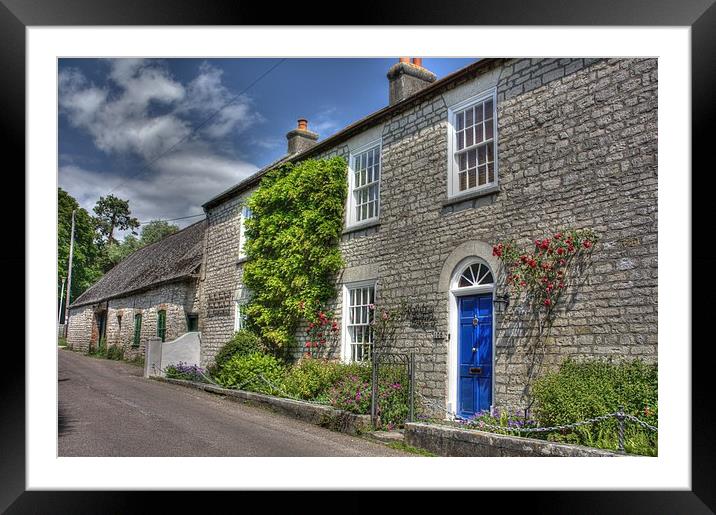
[106,408]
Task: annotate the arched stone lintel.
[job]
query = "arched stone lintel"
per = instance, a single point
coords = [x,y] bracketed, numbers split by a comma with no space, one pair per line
[473,248]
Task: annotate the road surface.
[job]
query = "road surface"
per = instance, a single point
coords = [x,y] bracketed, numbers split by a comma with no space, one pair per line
[106,408]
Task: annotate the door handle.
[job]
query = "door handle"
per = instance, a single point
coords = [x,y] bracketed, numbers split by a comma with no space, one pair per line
[474,349]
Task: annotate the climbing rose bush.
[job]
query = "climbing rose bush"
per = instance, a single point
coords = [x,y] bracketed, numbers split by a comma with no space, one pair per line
[322,332]
[542,270]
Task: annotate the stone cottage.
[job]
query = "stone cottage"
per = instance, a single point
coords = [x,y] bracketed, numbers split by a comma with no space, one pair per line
[502,149]
[153,293]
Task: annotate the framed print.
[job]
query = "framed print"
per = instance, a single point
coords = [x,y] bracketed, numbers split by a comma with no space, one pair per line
[531,151]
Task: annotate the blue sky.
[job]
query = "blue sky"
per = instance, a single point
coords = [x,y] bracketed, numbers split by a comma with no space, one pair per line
[117,115]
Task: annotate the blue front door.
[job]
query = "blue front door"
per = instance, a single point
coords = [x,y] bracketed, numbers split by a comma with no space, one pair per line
[474,387]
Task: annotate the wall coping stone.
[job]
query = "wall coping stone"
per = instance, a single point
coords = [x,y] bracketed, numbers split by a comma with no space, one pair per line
[325,416]
[452,441]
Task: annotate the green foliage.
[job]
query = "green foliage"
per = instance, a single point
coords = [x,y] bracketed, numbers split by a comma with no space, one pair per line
[243,372]
[353,394]
[115,352]
[112,213]
[86,267]
[580,391]
[243,343]
[312,378]
[62,341]
[151,233]
[292,246]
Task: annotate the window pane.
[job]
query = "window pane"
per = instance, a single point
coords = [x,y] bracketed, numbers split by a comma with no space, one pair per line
[483,175]
[471,178]
[490,152]
[489,108]
[479,136]
[460,140]
[478,113]
[481,155]
[468,137]
[463,181]
[468,117]
[462,162]
[488,129]
[471,156]
[491,172]
[370,159]
[460,121]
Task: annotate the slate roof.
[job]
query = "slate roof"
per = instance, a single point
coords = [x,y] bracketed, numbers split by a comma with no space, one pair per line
[172,258]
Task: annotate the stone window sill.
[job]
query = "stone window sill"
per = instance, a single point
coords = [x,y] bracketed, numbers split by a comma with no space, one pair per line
[471,196]
[242,260]
[361,227]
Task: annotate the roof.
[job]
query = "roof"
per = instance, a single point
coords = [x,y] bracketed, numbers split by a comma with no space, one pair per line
[354,128]
[172,258]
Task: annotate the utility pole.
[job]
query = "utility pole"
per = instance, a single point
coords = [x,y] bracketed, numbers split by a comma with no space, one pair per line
[62,297]
[69,272]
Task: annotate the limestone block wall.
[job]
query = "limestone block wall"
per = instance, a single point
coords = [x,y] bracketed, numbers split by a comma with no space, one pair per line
[222,269]
[577,147]
[178,299]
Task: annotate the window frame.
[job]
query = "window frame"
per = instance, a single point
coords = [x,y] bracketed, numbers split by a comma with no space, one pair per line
[351,221]
[162,328]
[136,338]
[242,230]
[453,187]
[346,343]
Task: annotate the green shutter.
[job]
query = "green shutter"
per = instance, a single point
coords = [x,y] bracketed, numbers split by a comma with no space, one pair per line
[137,329]
[162,324]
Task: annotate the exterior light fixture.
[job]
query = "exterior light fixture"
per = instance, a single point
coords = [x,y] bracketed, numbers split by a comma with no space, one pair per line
[500,303]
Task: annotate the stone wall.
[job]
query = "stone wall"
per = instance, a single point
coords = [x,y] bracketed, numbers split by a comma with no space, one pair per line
[177,298]
[222,272]
[577,147]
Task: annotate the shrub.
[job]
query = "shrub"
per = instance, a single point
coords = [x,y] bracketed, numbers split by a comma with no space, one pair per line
[185,371]
[243,343]
[580,391]
[292,242]
[242,372]
[62,342]
[115,352]
[312,378]
[353,393]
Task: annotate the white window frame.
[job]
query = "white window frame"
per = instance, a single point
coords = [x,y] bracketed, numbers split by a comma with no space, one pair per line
[351,205]
[242,231]
[452,166]
[241,298]
[346,344]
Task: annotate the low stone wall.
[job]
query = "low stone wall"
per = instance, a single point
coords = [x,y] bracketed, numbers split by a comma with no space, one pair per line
[325,416]
[450,441]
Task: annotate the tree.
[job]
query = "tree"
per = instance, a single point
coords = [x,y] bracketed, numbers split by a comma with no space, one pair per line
[86,267]
[156,230]
[152,232]
[113,213]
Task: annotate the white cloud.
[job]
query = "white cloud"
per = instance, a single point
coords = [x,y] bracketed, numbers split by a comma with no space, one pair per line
[142,110]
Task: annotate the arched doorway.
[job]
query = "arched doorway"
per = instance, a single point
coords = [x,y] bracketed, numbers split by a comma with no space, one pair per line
[470,370]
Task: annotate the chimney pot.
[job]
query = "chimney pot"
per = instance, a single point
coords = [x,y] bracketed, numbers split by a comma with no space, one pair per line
[403,59]
[418,61]
[302,124]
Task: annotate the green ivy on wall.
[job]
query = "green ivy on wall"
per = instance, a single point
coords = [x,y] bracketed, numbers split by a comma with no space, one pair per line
[292,246]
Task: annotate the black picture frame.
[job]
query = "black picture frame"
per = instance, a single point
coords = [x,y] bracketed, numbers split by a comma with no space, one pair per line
[699,15]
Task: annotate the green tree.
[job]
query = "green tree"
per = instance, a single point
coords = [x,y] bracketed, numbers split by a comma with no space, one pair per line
[113,213]
[86,269]
[156,230]
[151,232]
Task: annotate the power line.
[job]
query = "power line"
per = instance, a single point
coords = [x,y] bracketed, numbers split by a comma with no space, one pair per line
[202,124]
[171,219]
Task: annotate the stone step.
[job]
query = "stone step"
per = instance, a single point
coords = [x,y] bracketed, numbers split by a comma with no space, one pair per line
[386,437]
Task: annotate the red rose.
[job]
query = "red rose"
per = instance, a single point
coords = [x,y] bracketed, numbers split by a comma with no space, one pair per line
[547,302]
[560,251]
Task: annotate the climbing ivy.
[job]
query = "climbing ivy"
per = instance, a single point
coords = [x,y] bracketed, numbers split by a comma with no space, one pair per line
[292,246]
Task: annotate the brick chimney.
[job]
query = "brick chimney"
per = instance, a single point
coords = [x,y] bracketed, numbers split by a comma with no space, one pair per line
[407,77]
[300,138]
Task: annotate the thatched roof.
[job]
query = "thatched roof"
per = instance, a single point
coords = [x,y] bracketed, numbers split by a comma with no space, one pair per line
[172,258]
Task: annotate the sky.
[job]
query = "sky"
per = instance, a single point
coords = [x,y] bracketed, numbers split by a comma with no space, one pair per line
[214,122]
